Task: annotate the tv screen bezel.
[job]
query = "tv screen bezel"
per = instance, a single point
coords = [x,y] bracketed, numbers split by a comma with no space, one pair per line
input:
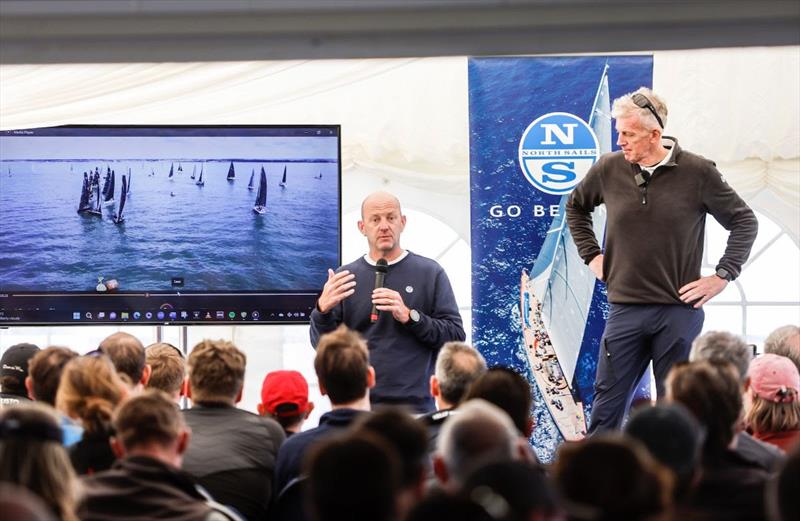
[32,308]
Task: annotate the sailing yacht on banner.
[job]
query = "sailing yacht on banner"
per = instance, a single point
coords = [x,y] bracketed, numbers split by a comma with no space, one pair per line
[250,185]
[555,298]
[261,199]
[283,181]
[231,173]
[200,181]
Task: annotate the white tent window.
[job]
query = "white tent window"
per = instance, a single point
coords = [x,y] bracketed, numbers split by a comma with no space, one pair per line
[767,293]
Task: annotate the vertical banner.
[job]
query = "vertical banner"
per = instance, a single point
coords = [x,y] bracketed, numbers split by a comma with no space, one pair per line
[536,127]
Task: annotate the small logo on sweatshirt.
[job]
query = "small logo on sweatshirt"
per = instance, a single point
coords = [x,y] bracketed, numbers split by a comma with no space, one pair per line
[409,289]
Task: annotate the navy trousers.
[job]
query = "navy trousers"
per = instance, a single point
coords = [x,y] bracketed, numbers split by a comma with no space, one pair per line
[635,334]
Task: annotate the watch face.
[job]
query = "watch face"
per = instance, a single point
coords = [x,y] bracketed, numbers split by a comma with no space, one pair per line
[414,314]
[723,274]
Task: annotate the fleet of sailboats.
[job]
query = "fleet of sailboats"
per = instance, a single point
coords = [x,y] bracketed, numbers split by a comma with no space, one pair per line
[96,194]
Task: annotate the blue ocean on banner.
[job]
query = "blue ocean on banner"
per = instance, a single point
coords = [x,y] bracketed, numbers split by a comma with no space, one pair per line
[209,234]
[510,218]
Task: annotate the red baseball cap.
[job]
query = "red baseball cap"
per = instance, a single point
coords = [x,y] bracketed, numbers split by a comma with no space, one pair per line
[284,393]
[774,378]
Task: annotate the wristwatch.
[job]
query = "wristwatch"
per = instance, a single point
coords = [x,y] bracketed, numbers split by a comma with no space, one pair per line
[724,274]
[413,316]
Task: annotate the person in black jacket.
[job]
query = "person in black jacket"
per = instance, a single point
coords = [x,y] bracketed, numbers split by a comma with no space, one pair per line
[146,482]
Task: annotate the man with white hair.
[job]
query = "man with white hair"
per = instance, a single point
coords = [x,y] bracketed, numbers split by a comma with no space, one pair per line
[657,197]
[481,433]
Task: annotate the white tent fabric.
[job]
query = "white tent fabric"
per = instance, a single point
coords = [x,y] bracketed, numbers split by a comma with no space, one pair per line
[405,121]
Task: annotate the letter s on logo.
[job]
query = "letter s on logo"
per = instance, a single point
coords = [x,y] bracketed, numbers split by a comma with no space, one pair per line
[559,172]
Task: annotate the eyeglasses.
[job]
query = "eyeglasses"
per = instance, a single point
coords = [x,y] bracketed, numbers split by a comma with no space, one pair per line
[642,101]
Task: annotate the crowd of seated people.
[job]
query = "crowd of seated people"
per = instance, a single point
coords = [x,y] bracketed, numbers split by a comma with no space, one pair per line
[133,433]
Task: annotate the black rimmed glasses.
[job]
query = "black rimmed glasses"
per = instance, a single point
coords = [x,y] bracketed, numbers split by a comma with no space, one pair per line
[642,101]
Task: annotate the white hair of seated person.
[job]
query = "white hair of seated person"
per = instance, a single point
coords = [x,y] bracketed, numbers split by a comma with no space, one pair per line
[480,433]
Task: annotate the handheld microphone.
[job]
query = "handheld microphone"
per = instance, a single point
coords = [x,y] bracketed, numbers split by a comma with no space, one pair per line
[381,267]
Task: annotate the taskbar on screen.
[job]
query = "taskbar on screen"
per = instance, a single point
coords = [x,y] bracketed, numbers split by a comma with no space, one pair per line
[156,309]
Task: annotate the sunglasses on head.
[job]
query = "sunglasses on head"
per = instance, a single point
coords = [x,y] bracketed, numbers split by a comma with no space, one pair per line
[641,101]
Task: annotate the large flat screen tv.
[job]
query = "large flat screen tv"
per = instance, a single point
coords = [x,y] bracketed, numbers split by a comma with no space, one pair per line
[167,224]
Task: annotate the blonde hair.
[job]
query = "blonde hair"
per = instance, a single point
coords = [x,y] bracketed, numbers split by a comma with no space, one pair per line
[216,371]
[767,416]
[90,389]
[39,465]
[168,367]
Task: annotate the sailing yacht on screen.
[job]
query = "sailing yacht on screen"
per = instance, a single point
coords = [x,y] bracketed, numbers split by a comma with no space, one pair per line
[261,199]
[118,218]
[555,298]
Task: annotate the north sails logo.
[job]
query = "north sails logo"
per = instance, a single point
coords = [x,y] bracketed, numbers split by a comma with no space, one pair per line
[556,151]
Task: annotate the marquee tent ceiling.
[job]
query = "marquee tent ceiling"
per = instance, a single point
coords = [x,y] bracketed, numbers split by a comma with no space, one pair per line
[405,121]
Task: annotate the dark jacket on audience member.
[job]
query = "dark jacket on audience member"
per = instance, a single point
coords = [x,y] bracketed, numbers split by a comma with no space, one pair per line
[143,488]
[290,457]
[232,454]
[763,455]
[92,453]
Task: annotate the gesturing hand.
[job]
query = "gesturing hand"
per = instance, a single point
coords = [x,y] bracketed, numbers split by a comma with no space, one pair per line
[338,287]
[386,299]
[704,288]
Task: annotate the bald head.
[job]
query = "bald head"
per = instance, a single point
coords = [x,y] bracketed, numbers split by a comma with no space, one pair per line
[127,354]
[380,199]
[382,222]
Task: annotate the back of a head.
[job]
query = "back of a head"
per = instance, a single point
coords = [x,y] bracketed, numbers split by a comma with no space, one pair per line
[712,392]
[609,477]
[216,371]
[774,391]
[90,389]
[45,370]
[672,436]
[449,507]
[721,346]
[126,353]
[479,434]
[353,478]
[32,456]
[507,390]
[342,365]
[457,366]
[150,417]
[408,437]
[785,341]
[14,368]
[168,367]
[512,491]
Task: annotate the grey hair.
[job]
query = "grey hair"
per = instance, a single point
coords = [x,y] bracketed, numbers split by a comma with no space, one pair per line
[624,107]
[721,346]
[457,366]
[479,433]
[785,341]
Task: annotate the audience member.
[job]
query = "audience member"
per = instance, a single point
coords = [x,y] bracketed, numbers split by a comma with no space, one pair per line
[724,347]
[785,341]
[89,391]
[233,451]
[772,402]
[783,501]
[409,438]
[353,478]
[345,376]
[610,478]
[284,398]
[481,433]
[146,481]
[44,375]
[730,487]
[448,507]
[127,354]
[512,491]
[18,503]
[457,366]
[508,390]
[167,369]
[13,372]
[674,438]
[31,456]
